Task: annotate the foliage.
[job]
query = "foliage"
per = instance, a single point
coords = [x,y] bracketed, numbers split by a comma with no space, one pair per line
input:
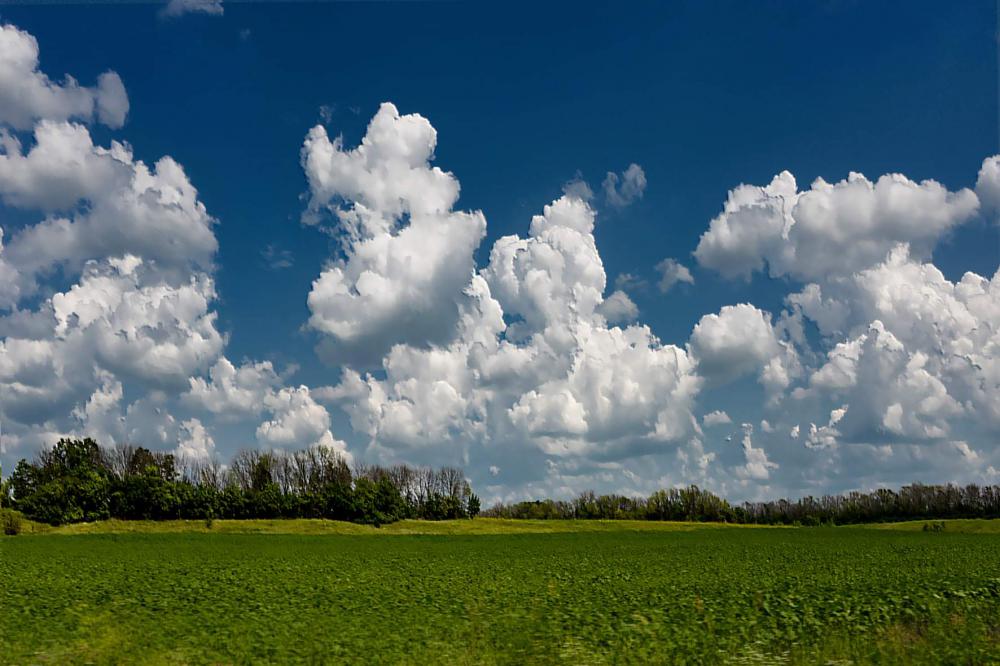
[603,594]
[914,502]
[11,522]
[78,481]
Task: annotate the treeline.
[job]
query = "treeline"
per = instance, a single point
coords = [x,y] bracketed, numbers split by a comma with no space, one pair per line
[78,480]
[913,502]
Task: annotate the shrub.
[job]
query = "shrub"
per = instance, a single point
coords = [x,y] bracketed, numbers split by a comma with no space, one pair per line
[11,522]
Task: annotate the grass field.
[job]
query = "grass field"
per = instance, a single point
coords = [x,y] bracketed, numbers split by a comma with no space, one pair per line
[488,591]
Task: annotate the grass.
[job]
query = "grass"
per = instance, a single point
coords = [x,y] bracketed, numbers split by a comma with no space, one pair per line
[450,527]
[333,527]
[497,592]
[965,526]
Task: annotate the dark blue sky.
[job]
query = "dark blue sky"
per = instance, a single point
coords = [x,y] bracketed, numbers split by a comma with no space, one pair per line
[525,97]
[703,95]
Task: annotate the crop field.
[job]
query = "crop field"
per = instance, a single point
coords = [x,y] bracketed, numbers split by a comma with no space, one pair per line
[494,592]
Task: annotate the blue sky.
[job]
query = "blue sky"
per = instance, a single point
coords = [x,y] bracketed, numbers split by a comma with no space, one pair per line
[702,97]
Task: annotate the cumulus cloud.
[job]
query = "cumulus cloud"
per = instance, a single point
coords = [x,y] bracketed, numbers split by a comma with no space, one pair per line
[624,189]
[905,359]
[578,188]
[740,340]
[233,392]
[407,255]
[618,308]
[528,365]
[921,351]
[988,185]
[526,362]
[28,95]
[157,332]
[107,303]
[822,437]
[298,422]
[829,229]
[756,465]
[111,204]
[195,442]
[718,417]
[672,273]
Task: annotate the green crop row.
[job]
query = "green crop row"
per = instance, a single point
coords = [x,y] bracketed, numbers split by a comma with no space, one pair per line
[724,595]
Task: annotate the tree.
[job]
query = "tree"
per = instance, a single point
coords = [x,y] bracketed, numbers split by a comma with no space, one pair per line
[473,506]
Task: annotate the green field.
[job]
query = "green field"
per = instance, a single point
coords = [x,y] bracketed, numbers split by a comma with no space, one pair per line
[489,591]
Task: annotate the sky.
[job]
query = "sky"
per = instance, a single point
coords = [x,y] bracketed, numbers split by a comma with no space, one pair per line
[752,247]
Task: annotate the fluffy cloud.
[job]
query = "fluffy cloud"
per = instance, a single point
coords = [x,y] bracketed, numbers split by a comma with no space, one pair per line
[905,359]
[830,229]
[671,273]
[407,254]
[622,190]
[115,206]
[618,308]
[529,365]
[232,392]
[27,95]
[927,357]
[298,422]
[195,443]
[756,465]
[741,340]
[718,417]
[155,332]
[106,303]
[988,184]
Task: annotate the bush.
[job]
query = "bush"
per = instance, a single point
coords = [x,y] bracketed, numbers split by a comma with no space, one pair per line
[10,522]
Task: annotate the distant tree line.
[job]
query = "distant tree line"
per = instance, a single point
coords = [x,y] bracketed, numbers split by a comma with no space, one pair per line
[913,502]
[78,480]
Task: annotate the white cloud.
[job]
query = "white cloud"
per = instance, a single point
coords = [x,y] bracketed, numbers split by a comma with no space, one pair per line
[922,349]
[618,308]
[27,95]
[106,304]
[100,417]
[195,443]
[156,332]
[622,190]
[577,188]
[298,422]
[176,8]
[529,363]
[988,185]
[756,465]
[823,437]
[830,229]
[672,273]
[233,392]
[407,254]
[718,417]
[117,206]
[741,340]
